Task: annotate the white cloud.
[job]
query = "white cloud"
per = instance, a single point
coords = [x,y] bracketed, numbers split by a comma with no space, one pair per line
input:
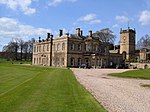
[144,18]
[96,21]
[90,18]
[115,26]
[56,2]
[122,18]
[23,5]
[87,17]
[11,28]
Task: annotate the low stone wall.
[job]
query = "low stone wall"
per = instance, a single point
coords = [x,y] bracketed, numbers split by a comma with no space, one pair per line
[140,65]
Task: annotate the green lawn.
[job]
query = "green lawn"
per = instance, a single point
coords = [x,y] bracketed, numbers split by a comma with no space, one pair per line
[43,89]
[146,85]
[139,74]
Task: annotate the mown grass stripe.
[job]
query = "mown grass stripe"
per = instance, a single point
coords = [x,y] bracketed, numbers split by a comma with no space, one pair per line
[44,89]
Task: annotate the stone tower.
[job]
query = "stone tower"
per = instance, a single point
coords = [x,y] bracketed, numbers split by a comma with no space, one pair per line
[127,44]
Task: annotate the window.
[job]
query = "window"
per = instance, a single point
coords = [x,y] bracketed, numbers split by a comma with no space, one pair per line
[100,50]
[63,46]
[79,61]
[62,61]
[34,60]
[72,46]
[34,49]
[39,60]
[96,47]
[43,48]
[79,47]
[105,50]
[72,61]
[54,47]
[58,47]
[57,61]
[47,47]
[39,48]
[88,47]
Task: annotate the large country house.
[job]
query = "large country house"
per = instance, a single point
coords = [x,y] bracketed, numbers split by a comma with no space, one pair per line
[72,50]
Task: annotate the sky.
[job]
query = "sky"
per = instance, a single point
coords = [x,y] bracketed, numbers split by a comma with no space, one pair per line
[28,19]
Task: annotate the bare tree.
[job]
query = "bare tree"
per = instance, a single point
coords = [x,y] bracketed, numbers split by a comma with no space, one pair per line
[19,46]
[105,35]
[11,50]
[144,42]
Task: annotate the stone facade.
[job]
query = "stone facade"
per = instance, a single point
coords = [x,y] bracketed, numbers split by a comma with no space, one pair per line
[72,50]
[127,44]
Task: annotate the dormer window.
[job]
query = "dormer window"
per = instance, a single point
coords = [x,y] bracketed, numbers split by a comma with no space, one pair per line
[88,47]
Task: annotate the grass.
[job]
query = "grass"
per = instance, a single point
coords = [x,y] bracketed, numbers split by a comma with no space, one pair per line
[141,74]
[43,89]
[146,85]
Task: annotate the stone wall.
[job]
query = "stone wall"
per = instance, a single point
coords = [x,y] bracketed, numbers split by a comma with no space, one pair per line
[141,65]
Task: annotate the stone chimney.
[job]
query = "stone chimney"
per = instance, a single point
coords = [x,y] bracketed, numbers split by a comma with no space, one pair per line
[60,33]
[67,34]
[51,36]
[81,33]
[48,35]
[78,31]
[39,39]
[90,33]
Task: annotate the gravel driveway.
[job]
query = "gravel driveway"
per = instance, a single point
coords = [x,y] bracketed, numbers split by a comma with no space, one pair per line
[115,94]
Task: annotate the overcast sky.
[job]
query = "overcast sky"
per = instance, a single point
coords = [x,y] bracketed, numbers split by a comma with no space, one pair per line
[28,19]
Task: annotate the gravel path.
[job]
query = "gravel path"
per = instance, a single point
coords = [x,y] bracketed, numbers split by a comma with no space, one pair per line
[115,94]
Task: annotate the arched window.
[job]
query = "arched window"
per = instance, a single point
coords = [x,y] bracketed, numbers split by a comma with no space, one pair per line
[72,61]
[63,46]
[124,55]
[95,47]
[62,61]
[72,46]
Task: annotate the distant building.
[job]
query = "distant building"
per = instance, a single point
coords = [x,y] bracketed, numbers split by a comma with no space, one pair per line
[73,50]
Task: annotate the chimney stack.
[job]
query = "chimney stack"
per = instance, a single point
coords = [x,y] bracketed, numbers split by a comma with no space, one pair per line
[81,33]
[48,35]
[78,31]
[51,36]
[67,34]
[60,33]
[90,33]
[39,39]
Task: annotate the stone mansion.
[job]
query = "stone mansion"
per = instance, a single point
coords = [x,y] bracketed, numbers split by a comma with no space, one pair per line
[72,50]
